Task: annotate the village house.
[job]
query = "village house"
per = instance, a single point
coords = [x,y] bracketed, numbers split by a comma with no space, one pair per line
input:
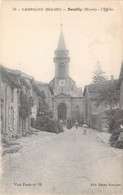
[33,95]
[95,114]
[9,87]
[19,101]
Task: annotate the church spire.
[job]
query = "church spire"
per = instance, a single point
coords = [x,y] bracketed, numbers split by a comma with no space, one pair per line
[61,43]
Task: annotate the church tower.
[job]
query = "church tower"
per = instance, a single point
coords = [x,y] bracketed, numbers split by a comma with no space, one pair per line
[61,58]
[66,102]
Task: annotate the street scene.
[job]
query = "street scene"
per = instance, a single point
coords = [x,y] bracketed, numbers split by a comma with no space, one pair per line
[61,98]
[72,162]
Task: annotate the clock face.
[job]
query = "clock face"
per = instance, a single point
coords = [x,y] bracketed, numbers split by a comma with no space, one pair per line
[61,83]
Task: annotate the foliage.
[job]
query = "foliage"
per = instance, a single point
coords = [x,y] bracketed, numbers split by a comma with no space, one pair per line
[40,93]
[119,144]
[114,138]
[99,75]
[115,119]
[26,103]
[70,123]
[109,95]
[24,83]
[45,123]
[44,108]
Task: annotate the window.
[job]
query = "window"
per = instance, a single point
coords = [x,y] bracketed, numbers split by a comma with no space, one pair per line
[12,117]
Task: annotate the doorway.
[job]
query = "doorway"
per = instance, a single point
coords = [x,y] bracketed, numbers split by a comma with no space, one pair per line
[62,111]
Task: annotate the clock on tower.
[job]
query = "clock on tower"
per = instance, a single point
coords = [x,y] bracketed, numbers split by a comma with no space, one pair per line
[61,83]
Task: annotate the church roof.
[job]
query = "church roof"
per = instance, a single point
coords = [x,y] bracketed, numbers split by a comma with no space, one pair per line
[61,43]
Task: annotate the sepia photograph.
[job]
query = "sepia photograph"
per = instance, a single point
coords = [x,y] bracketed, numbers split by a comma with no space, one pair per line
[61,97]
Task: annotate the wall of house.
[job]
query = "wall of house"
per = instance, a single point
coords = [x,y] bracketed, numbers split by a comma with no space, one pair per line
[2,106]
[24,123]
[36,104]
[11,110]
[77,108]
[87,109]
[95,116]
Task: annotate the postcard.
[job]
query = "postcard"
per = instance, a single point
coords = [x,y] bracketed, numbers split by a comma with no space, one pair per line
[61,97]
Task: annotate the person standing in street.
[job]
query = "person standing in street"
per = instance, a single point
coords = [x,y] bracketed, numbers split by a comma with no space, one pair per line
[76,124]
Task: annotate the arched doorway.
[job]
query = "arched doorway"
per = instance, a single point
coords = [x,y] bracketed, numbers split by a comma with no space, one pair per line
[62,111]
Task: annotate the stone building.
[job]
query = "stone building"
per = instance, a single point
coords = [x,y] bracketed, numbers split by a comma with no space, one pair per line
[68,102]
[16,86]
[9,87]
[32,92]
[95,115]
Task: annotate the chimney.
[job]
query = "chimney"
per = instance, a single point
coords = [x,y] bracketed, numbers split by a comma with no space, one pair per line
[112,77]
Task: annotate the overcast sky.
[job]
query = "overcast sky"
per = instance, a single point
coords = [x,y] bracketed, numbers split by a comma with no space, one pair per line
[28,38]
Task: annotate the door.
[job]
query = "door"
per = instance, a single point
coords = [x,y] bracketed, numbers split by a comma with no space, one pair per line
[62,111]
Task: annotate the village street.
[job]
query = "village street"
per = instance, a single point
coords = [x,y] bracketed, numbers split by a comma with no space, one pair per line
[67,163]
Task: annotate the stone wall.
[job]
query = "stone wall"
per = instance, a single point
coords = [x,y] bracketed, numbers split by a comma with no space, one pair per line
[11,110]
[77,108]
[66,101]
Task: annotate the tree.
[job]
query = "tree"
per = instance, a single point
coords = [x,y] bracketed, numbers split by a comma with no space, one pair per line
[26,103]
[108,94]
[99,75]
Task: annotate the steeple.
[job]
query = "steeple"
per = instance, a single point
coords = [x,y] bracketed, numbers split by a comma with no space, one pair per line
[61,43]
[61,58]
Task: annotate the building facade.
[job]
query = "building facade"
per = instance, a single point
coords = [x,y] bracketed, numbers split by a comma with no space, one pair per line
[9,88]
[68,102]
[95,115]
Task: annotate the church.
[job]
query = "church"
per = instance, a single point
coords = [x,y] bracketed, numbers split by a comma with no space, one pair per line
[68,102]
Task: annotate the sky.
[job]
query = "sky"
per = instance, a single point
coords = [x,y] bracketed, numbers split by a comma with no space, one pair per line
[28,38]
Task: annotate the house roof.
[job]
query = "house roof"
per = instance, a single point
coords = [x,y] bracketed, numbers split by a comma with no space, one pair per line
[10,76]
[93,90]
[41,84]
[24,82]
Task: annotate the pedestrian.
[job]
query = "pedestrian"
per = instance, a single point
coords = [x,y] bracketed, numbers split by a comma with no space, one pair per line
[84,132]
[76,125]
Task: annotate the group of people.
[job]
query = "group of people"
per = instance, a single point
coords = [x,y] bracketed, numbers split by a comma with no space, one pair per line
[76,124]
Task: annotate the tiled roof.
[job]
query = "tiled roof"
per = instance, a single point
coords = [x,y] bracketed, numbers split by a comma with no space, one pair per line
[94,89]
[10,76]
